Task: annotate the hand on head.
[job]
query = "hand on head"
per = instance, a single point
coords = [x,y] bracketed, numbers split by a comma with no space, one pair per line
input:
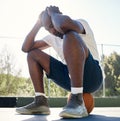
[52,9]
[48,12]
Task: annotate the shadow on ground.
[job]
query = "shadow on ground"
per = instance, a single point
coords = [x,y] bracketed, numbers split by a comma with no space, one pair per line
[89,118]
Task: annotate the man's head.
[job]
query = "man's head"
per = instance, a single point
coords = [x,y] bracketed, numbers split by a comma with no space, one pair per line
[48,25]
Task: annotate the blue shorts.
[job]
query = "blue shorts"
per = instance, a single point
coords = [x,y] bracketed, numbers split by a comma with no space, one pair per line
[92,79]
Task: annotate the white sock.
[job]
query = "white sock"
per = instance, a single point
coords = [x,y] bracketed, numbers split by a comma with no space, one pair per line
[76,90]
[39,94]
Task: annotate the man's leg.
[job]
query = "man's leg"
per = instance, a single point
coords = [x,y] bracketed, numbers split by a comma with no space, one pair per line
[37,62]
[75,53]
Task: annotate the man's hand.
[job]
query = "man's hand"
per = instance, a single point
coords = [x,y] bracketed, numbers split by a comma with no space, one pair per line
[53,9]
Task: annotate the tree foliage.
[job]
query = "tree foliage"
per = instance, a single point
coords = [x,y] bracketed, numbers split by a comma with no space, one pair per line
[53,90]
[112,74]
[12,84]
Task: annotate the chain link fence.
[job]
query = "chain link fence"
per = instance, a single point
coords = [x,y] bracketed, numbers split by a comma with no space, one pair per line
[105,50]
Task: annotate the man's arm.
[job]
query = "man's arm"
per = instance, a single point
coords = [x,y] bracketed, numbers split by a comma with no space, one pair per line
[29,40]
[40,44]
[63,23]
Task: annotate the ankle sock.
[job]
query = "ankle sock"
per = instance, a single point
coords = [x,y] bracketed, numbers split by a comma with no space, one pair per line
[76,90]
[39,94]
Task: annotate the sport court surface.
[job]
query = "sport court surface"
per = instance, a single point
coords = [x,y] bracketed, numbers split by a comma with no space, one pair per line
[98,114]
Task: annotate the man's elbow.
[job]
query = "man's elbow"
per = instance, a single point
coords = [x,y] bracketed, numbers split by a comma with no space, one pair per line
[26,50]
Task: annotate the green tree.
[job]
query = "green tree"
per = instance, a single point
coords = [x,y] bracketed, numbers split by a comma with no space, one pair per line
[11,84]
[112,74]
[52,89]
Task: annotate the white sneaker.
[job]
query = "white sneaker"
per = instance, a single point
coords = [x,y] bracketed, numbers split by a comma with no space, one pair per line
[38,106]
[74,109]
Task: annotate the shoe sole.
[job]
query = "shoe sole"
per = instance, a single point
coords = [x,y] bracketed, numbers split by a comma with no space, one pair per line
[43,110]
[33,112]
[67,115]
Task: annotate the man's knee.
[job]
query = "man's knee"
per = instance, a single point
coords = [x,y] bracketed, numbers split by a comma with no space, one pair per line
[70,35]
[30,54]
[33,53]
[73,40]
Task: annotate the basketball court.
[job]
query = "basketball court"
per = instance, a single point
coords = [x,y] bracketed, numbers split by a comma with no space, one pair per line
[98,114]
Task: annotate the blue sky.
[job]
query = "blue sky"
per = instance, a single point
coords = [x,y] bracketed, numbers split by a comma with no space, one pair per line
[17,17]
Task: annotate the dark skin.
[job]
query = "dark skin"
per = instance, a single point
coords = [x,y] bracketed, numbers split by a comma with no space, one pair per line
[75,51]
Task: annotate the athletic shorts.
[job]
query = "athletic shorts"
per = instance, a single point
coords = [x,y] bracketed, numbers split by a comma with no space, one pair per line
[92,79]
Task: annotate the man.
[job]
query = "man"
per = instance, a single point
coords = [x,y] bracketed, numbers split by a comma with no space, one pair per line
[78,72]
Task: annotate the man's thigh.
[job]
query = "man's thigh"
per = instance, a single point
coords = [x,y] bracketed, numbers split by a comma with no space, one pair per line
[59,73]
[92,75]
[92,79]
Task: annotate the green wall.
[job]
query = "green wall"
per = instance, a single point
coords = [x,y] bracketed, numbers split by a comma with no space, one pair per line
[60,102]
[56,102]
